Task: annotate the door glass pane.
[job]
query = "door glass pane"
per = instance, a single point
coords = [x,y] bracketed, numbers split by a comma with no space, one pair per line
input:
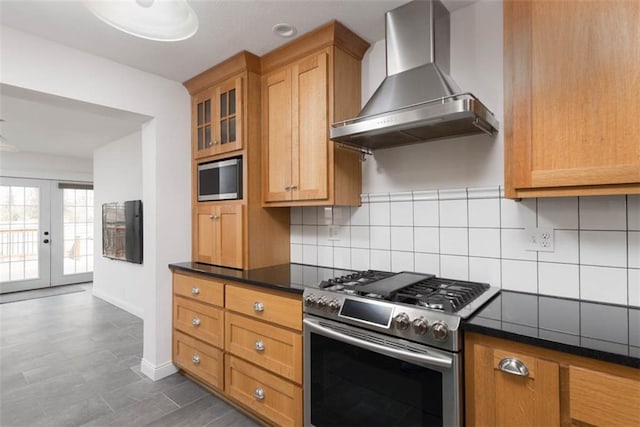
[200,138]
[78,219]
[223,131]
[19,219]
[207,111]
[207,136]
[232,101]
[223,104]
[232,129]
[200,114]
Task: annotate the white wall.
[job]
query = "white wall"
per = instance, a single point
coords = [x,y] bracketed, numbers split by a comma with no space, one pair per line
[45,166]
[476,65]
[33,63]
[117,175]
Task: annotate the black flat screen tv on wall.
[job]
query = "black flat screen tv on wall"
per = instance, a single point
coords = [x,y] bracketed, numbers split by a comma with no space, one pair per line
[122,231]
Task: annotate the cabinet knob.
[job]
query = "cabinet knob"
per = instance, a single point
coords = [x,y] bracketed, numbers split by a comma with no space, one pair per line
[195,359]
[513,366]
[215,142]
[258,307]
[195,291]
[214,216]
[259,345]
[195,322]
[287,187]
[258,393]
[294,187]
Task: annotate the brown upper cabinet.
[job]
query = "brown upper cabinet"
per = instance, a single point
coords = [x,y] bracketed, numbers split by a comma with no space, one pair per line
[572,79]
[307,85]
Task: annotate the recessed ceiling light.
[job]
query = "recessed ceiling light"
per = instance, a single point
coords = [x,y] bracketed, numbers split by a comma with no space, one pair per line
[160,20]
[285,30]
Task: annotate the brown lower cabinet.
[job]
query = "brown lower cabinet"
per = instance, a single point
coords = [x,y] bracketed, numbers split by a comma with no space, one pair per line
[509,384]
[242,342]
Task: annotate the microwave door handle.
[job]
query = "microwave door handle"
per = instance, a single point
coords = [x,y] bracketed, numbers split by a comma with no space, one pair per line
[443,362]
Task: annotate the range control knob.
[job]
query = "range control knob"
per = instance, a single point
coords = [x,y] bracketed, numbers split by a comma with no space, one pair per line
[310,300]
[334,305]
[440,331]
[401,321]
[420,326]
[322,303]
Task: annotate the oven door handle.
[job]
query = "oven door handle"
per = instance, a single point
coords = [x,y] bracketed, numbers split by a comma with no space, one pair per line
[440,361]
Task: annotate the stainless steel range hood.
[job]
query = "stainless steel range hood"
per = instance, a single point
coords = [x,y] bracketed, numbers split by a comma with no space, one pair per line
[418,100]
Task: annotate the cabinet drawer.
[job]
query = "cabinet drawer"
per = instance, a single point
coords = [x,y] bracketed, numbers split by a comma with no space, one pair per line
[198,359]
[198,320]
[603,399]
[276,399]
[263,305]
[203,290]
[273,348]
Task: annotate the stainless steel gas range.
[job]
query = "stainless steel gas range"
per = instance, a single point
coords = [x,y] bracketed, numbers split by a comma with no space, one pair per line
[384,349]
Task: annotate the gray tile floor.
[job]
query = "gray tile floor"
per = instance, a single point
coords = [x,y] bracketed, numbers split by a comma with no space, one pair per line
[74,360]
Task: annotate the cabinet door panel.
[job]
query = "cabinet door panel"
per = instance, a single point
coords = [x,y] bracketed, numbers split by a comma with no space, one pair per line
[228,126]
[230,236]
[310,129]
[205,246]
[276,98]
[202,124]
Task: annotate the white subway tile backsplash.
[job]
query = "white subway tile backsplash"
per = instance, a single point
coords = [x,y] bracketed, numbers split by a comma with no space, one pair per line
[402,213]
[342,258]
[484,213]
[380,260]
[402,261]
[514,245]
[518,214]
[472,234]
[310,254]
[402,239]
[519,276]
[426,239]
[360,237]
[379,213]
[295,233]
[558,212]
[565,248]
[309,215]
[360,259]
[484,242]
[454,241]
[453,213]
[633,212]
[325,256]
[380,238]
[603,213]
[634,287]
[603,284]
[485,270]
[604,248]
[360,215]
[454,267]
[633,249]
[427,263]
[560,280]
[425,213]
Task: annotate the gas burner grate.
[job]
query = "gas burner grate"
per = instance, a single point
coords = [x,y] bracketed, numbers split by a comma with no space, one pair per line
[441,294]
[354,279]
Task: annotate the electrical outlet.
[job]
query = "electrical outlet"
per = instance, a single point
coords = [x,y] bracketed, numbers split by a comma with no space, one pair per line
[539,239]
[334,233]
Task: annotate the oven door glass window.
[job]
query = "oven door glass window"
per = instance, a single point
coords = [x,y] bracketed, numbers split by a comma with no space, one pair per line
[351,386]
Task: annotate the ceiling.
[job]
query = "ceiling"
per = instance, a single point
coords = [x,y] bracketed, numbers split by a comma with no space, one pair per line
[225,27]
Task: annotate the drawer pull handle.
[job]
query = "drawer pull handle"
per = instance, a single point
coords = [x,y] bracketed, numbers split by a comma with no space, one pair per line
[195,359]
[259,345]
[258,393]
[513,366]
[258,307]
[195,322]
[195,291]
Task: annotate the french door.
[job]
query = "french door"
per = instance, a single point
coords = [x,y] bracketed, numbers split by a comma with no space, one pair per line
[46,233]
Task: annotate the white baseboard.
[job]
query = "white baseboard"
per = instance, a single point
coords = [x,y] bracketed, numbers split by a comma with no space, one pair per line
[157,372]
[136,311]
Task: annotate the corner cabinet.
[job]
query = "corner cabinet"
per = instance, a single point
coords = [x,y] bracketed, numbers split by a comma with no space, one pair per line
[307,85]
[509,383]
[572,78]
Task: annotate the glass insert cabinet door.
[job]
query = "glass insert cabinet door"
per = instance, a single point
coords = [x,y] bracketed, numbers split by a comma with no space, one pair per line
[35,233]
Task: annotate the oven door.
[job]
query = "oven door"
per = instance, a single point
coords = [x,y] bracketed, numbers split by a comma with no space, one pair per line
[355,377]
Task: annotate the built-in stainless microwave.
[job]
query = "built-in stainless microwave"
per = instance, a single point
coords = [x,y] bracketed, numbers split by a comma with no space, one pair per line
[220,180]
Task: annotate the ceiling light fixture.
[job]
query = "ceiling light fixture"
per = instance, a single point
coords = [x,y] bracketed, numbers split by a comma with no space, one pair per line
[285,30]
[160,20]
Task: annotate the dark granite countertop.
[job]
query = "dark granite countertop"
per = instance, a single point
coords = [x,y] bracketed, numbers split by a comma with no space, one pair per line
[601,331]
[292,278]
